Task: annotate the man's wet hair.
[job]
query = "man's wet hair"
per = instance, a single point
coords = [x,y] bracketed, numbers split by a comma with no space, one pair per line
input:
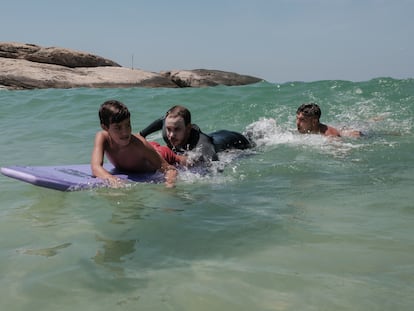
[180,111]
[309,110]
[113,111]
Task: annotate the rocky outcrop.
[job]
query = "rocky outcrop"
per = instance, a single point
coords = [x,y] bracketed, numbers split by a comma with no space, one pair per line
[205,77]
[52,55]
[23,74]
[28,66]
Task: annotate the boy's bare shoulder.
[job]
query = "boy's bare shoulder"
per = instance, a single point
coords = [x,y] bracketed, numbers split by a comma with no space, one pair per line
[101,136]
[138,139]
[102,133]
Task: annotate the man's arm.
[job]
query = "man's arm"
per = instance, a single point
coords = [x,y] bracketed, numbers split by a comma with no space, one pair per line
[330,131]
[153,127]
[351,133]
[206,147]
[202,153]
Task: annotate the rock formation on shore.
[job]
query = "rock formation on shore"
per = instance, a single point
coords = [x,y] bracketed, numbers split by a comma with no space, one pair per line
[29,66]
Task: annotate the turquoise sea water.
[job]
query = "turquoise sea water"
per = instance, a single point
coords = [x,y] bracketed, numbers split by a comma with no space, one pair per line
[300,222]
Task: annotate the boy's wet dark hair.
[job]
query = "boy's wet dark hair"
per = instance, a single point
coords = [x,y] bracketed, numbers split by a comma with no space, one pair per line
[180,111]
[113,111]
[309,110]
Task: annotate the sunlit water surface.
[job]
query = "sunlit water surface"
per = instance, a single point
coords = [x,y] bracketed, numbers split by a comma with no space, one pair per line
[300,222]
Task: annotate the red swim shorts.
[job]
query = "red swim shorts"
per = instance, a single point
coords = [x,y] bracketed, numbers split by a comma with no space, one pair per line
[165,152]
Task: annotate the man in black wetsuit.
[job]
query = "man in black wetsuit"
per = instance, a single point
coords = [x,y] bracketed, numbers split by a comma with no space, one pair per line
[182,136]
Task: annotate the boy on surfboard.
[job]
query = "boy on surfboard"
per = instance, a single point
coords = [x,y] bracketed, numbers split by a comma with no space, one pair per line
[126,151]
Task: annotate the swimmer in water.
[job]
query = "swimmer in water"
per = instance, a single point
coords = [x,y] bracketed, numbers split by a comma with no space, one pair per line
[182,136]
[307,122]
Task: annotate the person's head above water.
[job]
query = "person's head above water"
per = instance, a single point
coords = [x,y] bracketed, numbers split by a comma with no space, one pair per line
[310,110]
[179,111]
[307,118]
[307,122]
[178,125]
[113,111]
[115,118]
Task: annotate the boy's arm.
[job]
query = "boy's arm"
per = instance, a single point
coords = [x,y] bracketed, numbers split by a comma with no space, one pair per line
[170,173]
[97,159]
[155,158]
[181,160]
[153,127]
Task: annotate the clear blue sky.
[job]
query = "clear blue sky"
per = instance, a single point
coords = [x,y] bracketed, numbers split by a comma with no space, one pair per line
[277,40]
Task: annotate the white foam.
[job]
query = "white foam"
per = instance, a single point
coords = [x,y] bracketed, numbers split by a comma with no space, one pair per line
[267,134]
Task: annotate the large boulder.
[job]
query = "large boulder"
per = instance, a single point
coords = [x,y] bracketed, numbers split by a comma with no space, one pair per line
[52,55]
[23,74]
[205,77]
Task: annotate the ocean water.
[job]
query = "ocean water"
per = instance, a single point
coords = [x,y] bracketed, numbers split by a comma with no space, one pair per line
[300,222]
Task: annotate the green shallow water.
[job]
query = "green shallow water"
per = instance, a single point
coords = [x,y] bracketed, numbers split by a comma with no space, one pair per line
[298,223]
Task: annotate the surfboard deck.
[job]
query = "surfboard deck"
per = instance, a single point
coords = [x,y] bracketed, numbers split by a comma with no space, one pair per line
[73,177]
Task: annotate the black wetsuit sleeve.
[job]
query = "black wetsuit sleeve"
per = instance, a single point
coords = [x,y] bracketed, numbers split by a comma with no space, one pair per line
[153,127]
[206,147]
